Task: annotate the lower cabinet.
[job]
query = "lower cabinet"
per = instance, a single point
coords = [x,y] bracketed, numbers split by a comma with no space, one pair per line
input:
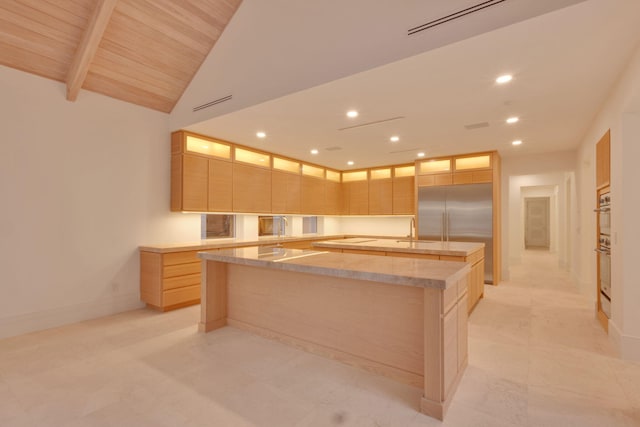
[169,280]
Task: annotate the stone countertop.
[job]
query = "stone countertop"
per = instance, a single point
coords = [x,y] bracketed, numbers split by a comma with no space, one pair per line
[391,270]
[231,243]
[235,243]
[403,245]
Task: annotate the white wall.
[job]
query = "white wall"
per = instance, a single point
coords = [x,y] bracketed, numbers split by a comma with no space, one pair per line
[619,114]
[376,226]
[82,185]
[519,175]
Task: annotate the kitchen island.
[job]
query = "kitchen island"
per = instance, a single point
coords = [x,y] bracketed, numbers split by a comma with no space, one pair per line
[470,252]
[404,318]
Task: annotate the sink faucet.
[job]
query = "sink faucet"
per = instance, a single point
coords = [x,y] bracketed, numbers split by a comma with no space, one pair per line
[283,226]
[412,227]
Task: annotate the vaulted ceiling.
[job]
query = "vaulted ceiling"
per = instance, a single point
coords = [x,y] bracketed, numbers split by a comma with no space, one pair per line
[141,51]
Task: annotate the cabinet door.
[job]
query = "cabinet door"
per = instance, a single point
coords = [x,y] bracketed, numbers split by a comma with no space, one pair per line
[404,195]
[195,179]
[358,193]
[285,192]
[380,196]
[333,198]
[251,189]
[220,186]
[313,195]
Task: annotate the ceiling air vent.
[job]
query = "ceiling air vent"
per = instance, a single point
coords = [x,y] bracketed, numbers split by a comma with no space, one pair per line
[459,14]
[212,103]
[333,148]
[476,126]
[372,123]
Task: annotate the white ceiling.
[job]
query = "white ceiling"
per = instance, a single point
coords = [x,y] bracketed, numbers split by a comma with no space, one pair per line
[564,63]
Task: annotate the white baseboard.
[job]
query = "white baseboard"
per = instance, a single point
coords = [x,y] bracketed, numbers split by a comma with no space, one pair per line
[628,346]
[30,322]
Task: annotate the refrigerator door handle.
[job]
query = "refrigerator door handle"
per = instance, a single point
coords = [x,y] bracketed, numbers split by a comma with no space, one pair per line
[442,229]
[447,226]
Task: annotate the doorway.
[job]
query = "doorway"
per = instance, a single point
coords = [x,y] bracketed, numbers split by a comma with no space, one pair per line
[536,223]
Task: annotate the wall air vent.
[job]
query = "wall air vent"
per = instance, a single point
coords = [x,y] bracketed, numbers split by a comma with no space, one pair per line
[212,103]
[459,14]
[476,126]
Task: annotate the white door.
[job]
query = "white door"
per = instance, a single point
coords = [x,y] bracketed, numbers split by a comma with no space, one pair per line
[536,220]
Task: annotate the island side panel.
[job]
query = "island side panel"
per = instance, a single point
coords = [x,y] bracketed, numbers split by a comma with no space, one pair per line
[445,346]
[213,296]
[378,324]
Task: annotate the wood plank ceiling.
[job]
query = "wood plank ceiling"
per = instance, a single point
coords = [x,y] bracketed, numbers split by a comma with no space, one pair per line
[140,51]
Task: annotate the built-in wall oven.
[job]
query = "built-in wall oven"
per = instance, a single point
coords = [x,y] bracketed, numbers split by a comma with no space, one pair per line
[604,252]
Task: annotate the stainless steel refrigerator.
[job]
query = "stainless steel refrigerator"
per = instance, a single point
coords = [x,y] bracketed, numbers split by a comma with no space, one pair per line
[458,213]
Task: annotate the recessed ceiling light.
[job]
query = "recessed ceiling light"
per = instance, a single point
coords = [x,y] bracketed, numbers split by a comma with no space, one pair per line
[352,113]
[261,134]
[504,79]
[394,138]
[350,162]
[314,151]
[516,142]
[421,154]
[512,120]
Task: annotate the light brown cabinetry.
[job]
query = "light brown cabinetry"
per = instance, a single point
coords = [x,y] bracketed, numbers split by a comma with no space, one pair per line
[603,161]
[220,193]
[251,188]
[200,174]
[313,195]
[355,190]
[170,280]
[404,190]
[380,192]
[333,198]
[285,192]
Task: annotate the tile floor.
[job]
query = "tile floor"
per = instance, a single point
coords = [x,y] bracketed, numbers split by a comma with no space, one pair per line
[537,358]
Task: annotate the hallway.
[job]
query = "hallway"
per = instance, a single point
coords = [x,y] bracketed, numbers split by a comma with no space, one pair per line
[537,358]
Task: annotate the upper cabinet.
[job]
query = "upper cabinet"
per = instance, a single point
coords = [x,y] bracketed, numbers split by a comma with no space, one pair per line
[313,190]
[403,191]
[380,192]
[210,175]
[464,169]
[251,181]
[200,173]
[355,188]
[285,186]
[603,161]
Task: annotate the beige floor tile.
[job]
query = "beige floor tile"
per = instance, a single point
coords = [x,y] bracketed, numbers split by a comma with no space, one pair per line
[537,357]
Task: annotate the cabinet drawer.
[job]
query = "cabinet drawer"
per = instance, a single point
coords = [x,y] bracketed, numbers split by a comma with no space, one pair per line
[181,269]
[181,281]
[181,296]
[180,257]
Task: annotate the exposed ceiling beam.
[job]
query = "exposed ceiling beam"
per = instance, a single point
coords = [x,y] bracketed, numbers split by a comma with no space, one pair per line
[88,47]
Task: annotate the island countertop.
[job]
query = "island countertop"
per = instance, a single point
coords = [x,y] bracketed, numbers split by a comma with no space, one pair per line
[391,270]
[461,249]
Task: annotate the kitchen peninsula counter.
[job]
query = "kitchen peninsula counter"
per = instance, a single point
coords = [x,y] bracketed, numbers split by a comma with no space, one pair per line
[456,249]
[404,318]
[470,252]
